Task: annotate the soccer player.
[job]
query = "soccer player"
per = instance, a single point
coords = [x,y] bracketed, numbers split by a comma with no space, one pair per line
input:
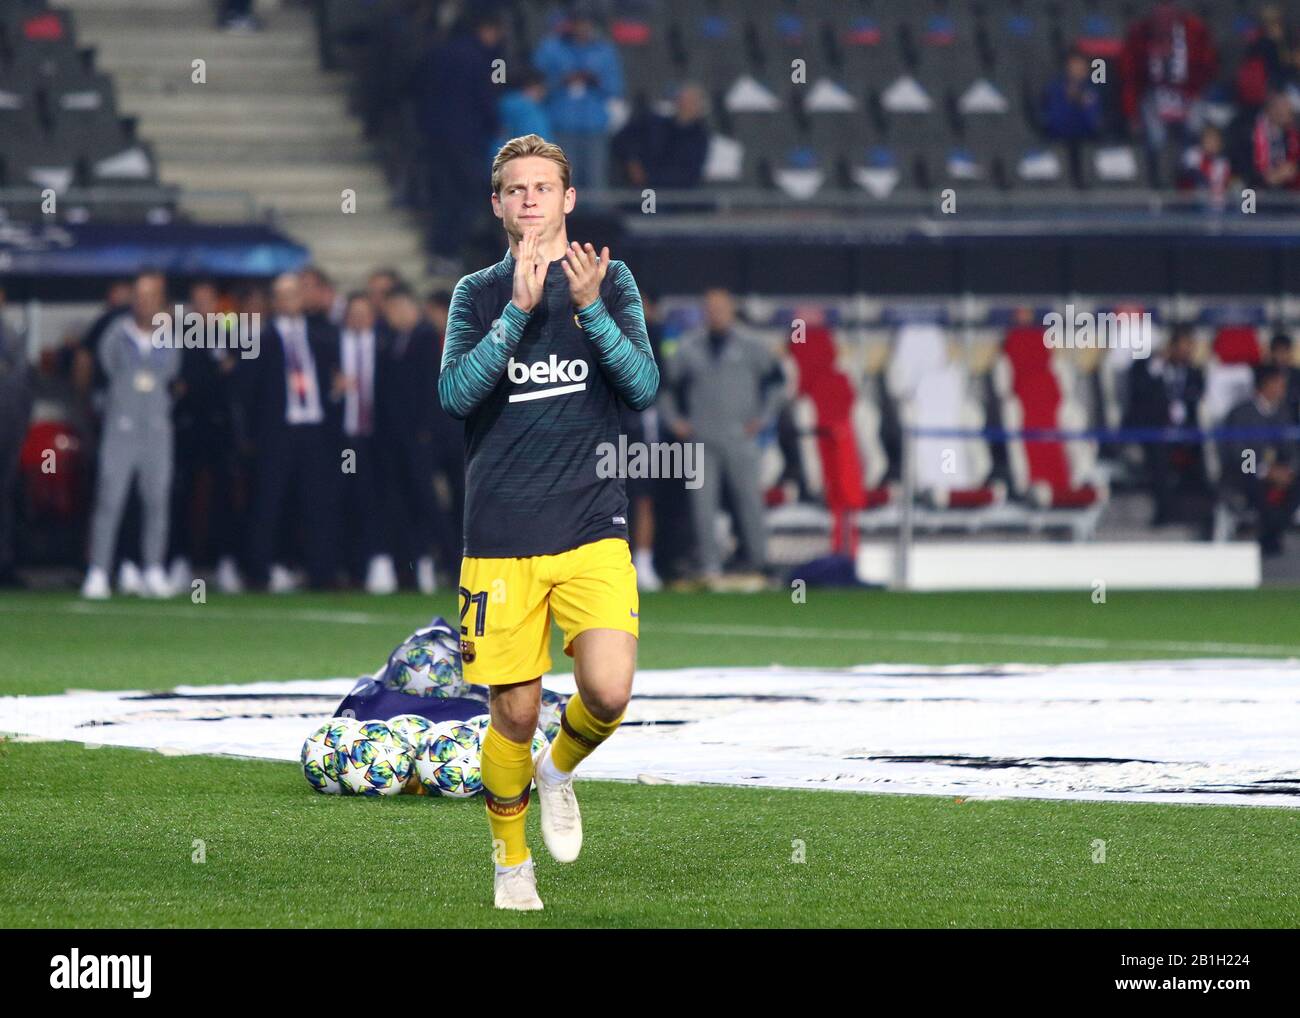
[541,349]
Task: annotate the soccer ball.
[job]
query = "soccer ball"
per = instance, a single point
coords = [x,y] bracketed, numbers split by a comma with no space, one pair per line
[373,761]
[447,760]
[552,709]
[320,754]
[410,728]
[381,732]
[428,664]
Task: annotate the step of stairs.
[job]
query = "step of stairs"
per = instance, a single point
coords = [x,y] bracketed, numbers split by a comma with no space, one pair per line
[268,121]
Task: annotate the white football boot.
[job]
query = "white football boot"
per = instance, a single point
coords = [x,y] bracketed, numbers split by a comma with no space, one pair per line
[130,580]
[515,887]
[96,586]
[381,576]
[281,581]
[181,576]
[561,821]
[156,583]
[425,577]
[646,577]
[228,579]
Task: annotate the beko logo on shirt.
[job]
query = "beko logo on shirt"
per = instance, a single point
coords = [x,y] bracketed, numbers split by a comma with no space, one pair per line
[548,371]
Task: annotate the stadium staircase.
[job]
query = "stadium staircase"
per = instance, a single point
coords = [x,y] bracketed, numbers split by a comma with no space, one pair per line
[269,122]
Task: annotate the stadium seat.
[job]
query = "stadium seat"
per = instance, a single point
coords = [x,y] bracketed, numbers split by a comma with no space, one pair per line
[1229,374]
[932,390]
[883,170]
[1039,166]
[1020,40]
[714,43]
[825,416]
[1050,474]
[944,38]
[912,115]
[865,40]
[1094,28]
[1111,165]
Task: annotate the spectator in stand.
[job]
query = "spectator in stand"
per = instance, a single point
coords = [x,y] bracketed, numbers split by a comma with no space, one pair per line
[320,298]
[1263,471]
[361,507]
[1271,61]
[667,151]
[136,445]
[203,479]
[717,396]
[458,104]
[87,376]
[1275,145]
[295,418]
[1281,353]
[1071,104]
[1207,169]
[1164,391]
[15,415]
[643,426]
[1167,61]
[448,444]
[583,72]
[408,436]
[381,283]
[523,111]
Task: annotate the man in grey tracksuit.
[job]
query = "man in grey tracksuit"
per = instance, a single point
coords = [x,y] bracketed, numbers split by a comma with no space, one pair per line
[15,414]
[136,444]
[719,393]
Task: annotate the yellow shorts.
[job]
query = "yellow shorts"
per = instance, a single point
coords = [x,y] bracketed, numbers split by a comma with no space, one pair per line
[506,605]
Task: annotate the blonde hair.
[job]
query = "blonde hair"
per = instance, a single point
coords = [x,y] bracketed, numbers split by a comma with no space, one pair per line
[529,145]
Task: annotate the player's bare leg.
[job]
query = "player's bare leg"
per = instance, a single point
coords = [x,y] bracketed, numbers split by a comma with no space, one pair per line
[604,661]
[507,768]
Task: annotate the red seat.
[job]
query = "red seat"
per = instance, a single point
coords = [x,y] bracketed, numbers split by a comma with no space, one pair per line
[1237,344]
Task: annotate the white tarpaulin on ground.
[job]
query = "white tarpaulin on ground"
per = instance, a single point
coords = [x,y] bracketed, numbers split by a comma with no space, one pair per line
[1224,731]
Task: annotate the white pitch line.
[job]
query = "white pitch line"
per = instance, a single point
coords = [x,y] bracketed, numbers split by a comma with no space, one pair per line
[919,636]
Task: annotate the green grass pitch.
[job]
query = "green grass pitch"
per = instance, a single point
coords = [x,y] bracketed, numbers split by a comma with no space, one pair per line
[107,837]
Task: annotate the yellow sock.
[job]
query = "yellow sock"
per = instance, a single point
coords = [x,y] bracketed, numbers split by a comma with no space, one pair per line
[507,769]
[579,736]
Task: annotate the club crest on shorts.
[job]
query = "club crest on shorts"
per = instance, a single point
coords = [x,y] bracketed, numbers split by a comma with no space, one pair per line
[467,650]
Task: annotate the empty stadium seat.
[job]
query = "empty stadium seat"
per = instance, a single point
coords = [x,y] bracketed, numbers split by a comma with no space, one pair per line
[1051,474]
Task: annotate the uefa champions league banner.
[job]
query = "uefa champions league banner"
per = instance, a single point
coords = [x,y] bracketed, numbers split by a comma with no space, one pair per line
[101,249]
[1203,731]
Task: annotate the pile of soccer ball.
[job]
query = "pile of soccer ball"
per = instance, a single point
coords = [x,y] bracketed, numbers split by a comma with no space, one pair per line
[408,753]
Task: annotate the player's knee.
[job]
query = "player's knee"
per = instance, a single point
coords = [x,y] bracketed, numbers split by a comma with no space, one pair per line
[607,703]
[516,720]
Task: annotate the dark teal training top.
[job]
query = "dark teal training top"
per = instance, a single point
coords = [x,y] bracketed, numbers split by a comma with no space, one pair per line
[539,394]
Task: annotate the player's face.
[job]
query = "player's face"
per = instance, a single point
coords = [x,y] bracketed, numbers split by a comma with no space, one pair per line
[532,197]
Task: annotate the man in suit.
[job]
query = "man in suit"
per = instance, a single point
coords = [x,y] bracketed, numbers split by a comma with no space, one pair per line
[719,393]
[362,491]
[140,363]
[202,420]
[320,298]
[295,422]
[417,435]
[1164,392]
[1281,352]
[1264,472]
